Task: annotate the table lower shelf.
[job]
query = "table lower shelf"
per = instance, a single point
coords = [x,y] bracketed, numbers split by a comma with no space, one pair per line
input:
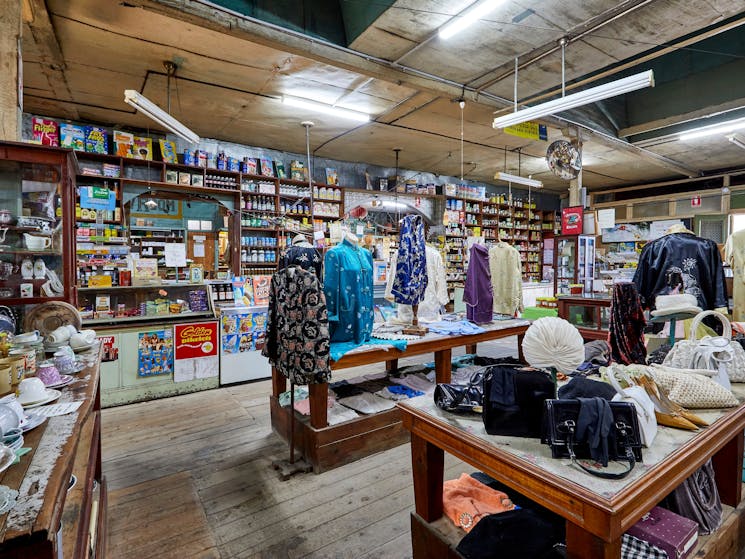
[336,445]
[439,539]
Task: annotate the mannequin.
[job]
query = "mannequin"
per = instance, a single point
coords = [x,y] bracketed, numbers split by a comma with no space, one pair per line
[301,240]
[351,237]
[302,254]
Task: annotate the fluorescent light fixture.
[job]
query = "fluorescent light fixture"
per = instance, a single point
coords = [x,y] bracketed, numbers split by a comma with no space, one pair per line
[736,139]
[475,12]
[517,179]
[153,111]
[317,107]
[592,95]
[714,129]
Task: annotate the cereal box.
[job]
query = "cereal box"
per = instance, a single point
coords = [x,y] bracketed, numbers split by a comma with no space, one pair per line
[72,136]
[45,132]
[143,148]
[96,140]
[123,143]
[280,168]
[261,286]
[266,167]
[168,151]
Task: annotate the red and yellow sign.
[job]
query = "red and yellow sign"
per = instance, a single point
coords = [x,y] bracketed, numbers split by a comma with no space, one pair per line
[196,340]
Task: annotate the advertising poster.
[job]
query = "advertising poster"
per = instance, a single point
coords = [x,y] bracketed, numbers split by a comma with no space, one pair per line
[155,353]
[571,220]
[196,351]
[110,348]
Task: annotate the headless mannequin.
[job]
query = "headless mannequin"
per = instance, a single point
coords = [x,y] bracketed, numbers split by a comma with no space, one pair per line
[301,240]
[352,238]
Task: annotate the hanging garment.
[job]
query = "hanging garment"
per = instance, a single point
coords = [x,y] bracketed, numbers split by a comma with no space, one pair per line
[306,257]
[436,294]
[734,255]
[297,330]
[410,277]
[681,263]
[477,294]
[626,328]
[348,285]
[506,278]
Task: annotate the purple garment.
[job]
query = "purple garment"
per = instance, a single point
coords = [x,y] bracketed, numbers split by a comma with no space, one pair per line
[477,294]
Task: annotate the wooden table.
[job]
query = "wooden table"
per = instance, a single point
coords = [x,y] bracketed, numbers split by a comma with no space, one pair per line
[48,520]
[597,512]
[327,447]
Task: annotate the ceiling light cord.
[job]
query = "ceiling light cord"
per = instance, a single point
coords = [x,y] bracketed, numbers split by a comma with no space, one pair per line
[515,92]
[462,108]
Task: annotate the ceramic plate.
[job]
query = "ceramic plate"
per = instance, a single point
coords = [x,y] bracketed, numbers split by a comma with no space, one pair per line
[52,395]
[7,457]
[82,348]
[49,316]
[64,381]
[16,444]
[32,420]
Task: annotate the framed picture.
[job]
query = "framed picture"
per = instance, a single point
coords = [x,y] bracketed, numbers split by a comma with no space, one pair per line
[196,273]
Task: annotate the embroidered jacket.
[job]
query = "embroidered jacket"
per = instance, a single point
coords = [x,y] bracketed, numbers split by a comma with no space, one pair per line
[410,279]
[306,257]
[436,294]
[348,285]
[506,278]
[297,330]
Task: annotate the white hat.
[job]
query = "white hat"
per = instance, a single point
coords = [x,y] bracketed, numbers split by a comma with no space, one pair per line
[553,342]
[299,238]
[672,304]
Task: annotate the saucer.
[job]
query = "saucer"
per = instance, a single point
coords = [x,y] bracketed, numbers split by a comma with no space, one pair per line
[16,444]
[32,420]
[51,395]
[64,381]
[81,348]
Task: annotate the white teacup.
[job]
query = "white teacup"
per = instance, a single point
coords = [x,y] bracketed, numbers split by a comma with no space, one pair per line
[8,419]
[71,329]
[61,334]
[35,242]
[79,340]
[12,402]
[88,335]
[27,337]
[31,389]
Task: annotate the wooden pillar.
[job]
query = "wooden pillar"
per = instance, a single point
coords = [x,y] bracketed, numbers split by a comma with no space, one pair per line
[575,187]
[11,101]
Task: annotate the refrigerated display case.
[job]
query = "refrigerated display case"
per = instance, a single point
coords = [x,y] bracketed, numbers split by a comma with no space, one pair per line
[242,338]
[575,264]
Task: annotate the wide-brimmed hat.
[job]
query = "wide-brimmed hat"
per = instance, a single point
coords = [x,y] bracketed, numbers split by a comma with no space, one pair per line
[673,304]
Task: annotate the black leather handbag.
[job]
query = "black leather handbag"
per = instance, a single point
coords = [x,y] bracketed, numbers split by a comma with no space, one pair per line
[513,400]
[460,398]
[559,431]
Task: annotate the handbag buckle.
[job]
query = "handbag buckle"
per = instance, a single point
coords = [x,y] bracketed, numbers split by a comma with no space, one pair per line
[566,426]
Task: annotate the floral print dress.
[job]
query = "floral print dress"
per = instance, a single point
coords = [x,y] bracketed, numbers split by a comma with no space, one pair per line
[297,328]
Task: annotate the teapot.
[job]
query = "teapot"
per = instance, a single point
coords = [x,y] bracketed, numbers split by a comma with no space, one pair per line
[36,242]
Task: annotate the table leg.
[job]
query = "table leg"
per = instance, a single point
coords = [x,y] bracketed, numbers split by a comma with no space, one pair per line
[520,355]
[318,396]
[471,349]
[442,365]
[279,383]
[728,470]
[391,366]
[427,463]
[582,545]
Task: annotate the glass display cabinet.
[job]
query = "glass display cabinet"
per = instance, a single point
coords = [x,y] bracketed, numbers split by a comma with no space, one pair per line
[36,245]
[574,256]
[589,313]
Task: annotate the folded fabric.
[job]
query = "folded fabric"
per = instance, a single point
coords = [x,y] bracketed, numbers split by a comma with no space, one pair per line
[394,336]
[405,391]
[388,395]
[339,414]
[367,403]
[344,389]
[465,501]
[373,385]
[301,393]
[303,406]
[581,387]
[338,349]
[375,376]
[452,328]
[413,369]
[465,360]
[419,383]
[594,424]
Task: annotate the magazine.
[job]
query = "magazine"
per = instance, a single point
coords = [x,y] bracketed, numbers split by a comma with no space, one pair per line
[123,143]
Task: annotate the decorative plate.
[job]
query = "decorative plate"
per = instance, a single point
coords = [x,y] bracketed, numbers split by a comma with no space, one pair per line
[47,317]
[51,396]
[64,381]
[32,421]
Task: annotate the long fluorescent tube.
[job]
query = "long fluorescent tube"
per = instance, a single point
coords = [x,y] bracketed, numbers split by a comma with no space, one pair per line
[736,139]
[153,111]
[713,129]
[517,179]
[598,93]
[467,18]
[324,108]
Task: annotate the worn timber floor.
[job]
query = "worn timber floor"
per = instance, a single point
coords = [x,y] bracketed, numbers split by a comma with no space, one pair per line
[190,477]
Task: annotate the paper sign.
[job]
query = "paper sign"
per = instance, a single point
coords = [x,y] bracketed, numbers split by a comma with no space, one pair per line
[58,409]
[318,235]
[206,225]
[175,255]
[192,224]
[198,250]
[607,218]
[196,340]
[571,220]
[360,230]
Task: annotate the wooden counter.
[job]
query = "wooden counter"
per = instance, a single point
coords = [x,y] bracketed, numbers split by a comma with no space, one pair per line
[48,521]
[597,512]
[326,446]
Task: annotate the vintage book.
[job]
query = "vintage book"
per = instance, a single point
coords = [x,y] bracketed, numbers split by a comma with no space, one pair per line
[143,148]
[72,136]
[168,151]
[298,172]
[671,532]
[184,178]
[111,170]
[280,169]
[261,286]
[332,177]
[46,132]
[172,176]
[123,143]
[96,140]
[266,167]
[197,179]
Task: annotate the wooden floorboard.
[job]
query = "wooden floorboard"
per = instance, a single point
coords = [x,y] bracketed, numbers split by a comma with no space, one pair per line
[191,478]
